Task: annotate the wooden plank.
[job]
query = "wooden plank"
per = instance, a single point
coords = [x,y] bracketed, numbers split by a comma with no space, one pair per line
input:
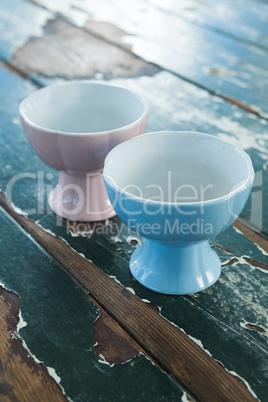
[58,327]
[207,316]
[207,58]
[21,377]
[26,196]
[15,28]
[251,234]
[165,343]
[174,105]
[66,52]
[244,20]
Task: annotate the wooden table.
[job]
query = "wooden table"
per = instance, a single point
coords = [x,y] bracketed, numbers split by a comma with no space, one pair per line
[74,324]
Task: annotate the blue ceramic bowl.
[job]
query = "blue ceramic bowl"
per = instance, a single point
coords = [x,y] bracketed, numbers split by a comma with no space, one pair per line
[177,189]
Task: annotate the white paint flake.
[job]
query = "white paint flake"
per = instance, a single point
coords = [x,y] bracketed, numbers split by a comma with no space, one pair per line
[104,361]
[22,323]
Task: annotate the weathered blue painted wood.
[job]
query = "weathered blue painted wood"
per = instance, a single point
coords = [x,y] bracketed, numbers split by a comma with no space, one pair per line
[230,319]
[174,105]
[220,317]
[19,21]
[246,20]
[207,58]
[59,330]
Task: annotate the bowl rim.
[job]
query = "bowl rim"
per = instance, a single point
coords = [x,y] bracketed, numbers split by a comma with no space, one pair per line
[87,82]
[248,182]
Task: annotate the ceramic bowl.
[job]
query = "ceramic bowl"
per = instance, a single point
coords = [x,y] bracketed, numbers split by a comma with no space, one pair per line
[177,190]
[72,127]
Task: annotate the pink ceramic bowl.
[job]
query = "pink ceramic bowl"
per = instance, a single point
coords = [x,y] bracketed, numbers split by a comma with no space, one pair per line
[72,127]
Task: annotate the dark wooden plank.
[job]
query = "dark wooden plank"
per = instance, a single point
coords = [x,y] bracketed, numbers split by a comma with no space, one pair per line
[57,326]
[207,58]
[205,378]
[21,377]
[207,316]
[251,234]
[113,344]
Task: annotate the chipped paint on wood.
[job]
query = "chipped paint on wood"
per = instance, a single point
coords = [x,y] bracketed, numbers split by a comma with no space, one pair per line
[64,51]
[140,324]
[200,344]
[186,46]
[253,327]
[15,27]
[113,345]
[244,20]
[62,307]
[186,398]
[21,374]
[200,313]
[178,105]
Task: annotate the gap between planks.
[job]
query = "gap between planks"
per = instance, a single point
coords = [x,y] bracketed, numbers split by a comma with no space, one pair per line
[164,343]
[122,47]
[239,104]
[257,238]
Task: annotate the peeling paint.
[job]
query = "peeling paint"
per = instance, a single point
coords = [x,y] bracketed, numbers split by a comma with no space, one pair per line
[244,382]
[186,398]
[15,335]
[115,279]
[261,249]
[133,241]
[65,51]
[49,231]
[85,233]
[18,210]
[103,360]
[11,37]
[253,327]
[244,259]
[117,239]
[131,290]
[255,244]
[200,344]
[21,324]
[59,237]
[51,370]
[146,301]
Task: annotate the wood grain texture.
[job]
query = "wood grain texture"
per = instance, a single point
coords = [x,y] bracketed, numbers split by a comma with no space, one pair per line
[21,377]
[251,234]
[174,105]
[244,20]
[113,344]
[191,51]
[67,52]
[59,332]
[175,353]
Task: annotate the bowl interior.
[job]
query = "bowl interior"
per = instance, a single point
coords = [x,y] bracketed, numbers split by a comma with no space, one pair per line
[83,107]
[182,167]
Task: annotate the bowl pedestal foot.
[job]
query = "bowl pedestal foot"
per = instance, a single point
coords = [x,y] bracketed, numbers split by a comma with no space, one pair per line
[81,197]
[175,268]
